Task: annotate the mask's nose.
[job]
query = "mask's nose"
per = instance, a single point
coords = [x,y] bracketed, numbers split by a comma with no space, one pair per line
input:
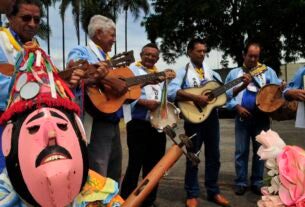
[50,134]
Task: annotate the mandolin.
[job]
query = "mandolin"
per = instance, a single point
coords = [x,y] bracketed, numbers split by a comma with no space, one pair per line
[107,102]
[217,97]
[270,100]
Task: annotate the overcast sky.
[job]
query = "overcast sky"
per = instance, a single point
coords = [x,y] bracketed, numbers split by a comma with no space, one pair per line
[136,39]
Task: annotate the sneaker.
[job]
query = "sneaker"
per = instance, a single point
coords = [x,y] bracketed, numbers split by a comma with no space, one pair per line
[240,190]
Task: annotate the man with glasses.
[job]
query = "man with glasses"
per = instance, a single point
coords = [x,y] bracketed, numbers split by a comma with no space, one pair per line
[6,6]
[24,19]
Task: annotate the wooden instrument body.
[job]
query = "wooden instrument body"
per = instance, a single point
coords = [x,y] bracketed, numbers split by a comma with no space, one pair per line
[195,114]
[7,69]
[171,119]
[106,101]
[270,100]
[151,180]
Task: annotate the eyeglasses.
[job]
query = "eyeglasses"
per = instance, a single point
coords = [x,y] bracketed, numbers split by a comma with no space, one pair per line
[28,18]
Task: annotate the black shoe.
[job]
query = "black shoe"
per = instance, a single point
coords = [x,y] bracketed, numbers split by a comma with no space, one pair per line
[240,190]
[256,190]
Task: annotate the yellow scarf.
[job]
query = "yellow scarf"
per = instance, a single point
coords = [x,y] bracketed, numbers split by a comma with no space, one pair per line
[200,72]
[149,70]
[106,53]
[11,38]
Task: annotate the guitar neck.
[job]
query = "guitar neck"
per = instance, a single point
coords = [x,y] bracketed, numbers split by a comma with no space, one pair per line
[143,78]
[66,74]
[218,91]
[253,72]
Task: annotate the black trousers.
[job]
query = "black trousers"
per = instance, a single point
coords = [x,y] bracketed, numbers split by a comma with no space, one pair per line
[146,147]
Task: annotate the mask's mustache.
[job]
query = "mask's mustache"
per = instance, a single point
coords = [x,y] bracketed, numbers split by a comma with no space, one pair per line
[52,153]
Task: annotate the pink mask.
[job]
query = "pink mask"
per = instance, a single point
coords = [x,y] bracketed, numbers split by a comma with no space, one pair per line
[51,157]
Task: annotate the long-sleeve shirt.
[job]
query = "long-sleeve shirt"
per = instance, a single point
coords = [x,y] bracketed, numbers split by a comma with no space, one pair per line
[138,111]
[246,97]
[176,84]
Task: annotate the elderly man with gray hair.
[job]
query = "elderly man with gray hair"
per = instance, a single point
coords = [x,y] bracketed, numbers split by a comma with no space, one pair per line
[104,149]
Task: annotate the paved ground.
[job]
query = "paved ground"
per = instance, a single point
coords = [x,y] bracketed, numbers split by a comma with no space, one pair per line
[171,192]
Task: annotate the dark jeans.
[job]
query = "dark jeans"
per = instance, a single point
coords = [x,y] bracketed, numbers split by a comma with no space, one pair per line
[207,133]
[246,131]
[146,147]
[105,150]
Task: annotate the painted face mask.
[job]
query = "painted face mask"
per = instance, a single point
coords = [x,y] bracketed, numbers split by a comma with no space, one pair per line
[46,157]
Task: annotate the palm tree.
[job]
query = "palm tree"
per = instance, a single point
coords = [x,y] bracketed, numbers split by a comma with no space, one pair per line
[135,7]
[46,28]
[76,9]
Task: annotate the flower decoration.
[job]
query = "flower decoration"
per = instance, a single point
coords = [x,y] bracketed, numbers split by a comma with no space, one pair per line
[286,172]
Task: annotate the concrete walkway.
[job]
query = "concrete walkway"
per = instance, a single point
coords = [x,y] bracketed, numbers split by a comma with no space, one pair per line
[171,192]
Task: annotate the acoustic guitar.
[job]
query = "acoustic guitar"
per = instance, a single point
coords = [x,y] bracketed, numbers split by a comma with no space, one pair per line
[107,102]
[217,97]
[119,60]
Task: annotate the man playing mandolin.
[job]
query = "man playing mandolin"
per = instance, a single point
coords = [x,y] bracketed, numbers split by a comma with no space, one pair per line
[146,145]
[295,91]
[196,74]
[104,150]
[249,121]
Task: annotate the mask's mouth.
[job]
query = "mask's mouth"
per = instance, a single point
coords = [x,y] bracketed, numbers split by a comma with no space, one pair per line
[51,154]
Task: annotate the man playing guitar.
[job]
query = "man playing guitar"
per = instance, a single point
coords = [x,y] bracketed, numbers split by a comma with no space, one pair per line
[104,149]
[195,74]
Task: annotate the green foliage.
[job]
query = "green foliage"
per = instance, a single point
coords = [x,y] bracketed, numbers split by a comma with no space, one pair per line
[227,24]
[93,7]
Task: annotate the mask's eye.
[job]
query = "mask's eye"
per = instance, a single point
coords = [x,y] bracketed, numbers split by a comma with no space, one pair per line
[63,127]
[33,129]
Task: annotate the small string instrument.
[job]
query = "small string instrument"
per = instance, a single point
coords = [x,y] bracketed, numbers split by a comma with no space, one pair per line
[167,114]
[119,60]
[269,99]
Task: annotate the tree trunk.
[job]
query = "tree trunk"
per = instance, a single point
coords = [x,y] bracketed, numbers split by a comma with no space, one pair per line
[114,15]
[48,35]
[63,44]
[126,11]
[78,32]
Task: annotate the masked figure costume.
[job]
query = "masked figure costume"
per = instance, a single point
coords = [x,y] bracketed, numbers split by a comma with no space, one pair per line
[44,142]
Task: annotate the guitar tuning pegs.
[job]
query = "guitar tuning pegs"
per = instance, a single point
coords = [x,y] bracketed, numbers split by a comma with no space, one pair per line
[193,158]
[186,141]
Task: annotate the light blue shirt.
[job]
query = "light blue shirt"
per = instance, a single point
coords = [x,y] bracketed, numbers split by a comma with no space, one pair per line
[5,82]
[297,81]
[82,53]
[85,53]
[176,84]
[137,111]
[270,76]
